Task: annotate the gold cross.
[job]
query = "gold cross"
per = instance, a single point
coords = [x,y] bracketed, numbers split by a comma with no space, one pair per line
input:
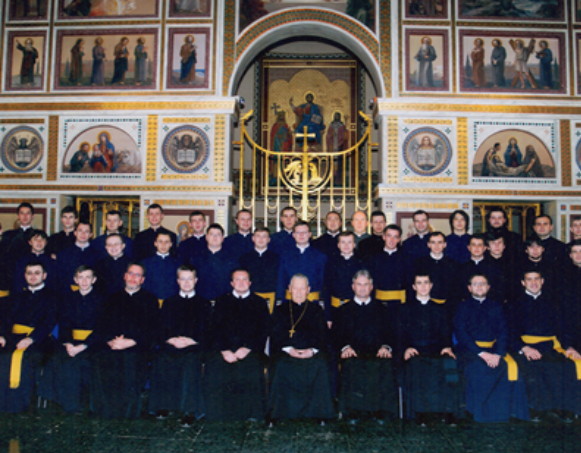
[291,333]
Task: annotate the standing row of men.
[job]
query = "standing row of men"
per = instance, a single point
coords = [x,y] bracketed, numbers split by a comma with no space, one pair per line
[330,268]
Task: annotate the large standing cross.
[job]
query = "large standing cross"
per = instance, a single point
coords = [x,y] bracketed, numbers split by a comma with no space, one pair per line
[305,189]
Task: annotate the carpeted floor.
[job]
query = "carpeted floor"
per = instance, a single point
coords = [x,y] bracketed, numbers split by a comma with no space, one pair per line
[49,433]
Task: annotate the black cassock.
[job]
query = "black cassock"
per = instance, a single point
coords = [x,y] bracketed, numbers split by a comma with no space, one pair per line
[367,382]
[119,375]
[431,382]
[299,388]
[176,375]
[77,317]
[32,314]
[236,391]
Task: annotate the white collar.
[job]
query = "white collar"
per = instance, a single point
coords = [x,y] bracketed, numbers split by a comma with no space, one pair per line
[38,288]
[479,299]
[534,296]
[437,258]
[362,302]
[240,296]
[162,255]
[302,249]
[389,252]
[87,245]
[260,252]
[347,257]
[189,295]
[423,300]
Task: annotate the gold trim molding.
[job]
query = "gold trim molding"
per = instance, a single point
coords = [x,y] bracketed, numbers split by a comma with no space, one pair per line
[389,107]
[229,105]
[486,193]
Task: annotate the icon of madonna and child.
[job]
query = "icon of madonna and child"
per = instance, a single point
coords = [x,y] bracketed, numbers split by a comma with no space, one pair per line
[102,155]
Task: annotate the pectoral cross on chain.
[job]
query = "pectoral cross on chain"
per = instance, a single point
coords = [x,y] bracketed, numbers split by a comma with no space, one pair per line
[291,332]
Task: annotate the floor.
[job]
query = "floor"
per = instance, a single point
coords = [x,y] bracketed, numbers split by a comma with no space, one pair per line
[45,432]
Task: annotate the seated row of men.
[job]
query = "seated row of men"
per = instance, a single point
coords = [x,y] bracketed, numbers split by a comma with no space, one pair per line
[505,360]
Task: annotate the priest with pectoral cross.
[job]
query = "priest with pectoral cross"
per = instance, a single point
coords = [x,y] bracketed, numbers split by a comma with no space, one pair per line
[300,386]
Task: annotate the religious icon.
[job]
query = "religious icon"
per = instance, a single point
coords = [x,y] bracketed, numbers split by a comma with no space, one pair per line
[427,151]
[22,149]
[185,149]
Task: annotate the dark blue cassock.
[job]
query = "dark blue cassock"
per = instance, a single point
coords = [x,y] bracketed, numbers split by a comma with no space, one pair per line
[415,246]
[339,274]
[444,276]
[190,247]
[69,260]
[99,244]
[327,243]
[110,273]
[19,282]
[457,247]
[310,263]
[490,396]
[370,246]
[281,241]
[143,244]
[60,241]
[238,244]
[214,272]
[161,275]
[263,269]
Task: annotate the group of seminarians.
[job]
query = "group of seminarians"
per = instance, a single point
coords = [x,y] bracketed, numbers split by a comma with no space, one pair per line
[482,324]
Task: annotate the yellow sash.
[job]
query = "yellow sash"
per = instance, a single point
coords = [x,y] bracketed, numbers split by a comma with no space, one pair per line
[315,295]
[510,362]
[4,293]
[270,297]
[74,287]
[81,335]
[336,302]
[439,301]
[390,295]
[16,361]
[160,302]
[534,339]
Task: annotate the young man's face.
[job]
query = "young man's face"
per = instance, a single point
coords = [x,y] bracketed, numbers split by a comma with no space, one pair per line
[333,223]
[25,216]
[576,228]
[437,244]
[83,233]
[34,276]
[198,224]
[476,248]
[186,281]
[85,280]
[302,235]
[68,220]
[535,251]
[113,223]
[214,238]
[533,282]
[478,286]
[163,243]
[378,223]
[114,246]
[362,287]
[575,255]
[497,219]
[240,282]
[346,245]
[134,278]
[154,216]
[391,239]
[244,222]
[459,223]
[37,244]
[421,223]
[261,239]
[543,227]
[359,223]
[422,286]
[288,219]
[496,247]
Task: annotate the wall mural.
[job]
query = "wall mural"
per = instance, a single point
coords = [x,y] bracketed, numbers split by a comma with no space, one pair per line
[531,62]
[22,149]
[512,10]
[425,9]
[189,8]
[105,148]
[252,10]
[426,62]
[426,151]
[107,9]
[186,149]
[25,69]
[189,58]
[105,59]
[28,10]
[517,152]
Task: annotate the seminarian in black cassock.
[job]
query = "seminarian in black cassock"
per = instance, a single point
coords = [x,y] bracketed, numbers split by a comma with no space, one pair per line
[125,335]
[299,384]
[542,348]
[176,375]
[364,342]
[24,338]
[234,378]
[77,316]
[493,392]
[431,382]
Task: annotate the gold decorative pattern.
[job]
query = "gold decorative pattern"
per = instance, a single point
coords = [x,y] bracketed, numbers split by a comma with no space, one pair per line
[52,148]
[488,193]
[564,228]
[19,176]
[185,120]
[108,188]
[385,44]
[462,151]
[98,106]
[188,202]
[426,179]
[565,153]
[220,148]
[22,121]
[427,121]
[423,205]
[387,106]
[185,177]
[228,43]
[392,150]
[34,201]
[151,160]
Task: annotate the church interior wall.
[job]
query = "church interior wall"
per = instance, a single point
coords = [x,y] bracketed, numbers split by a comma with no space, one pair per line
[457,103]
